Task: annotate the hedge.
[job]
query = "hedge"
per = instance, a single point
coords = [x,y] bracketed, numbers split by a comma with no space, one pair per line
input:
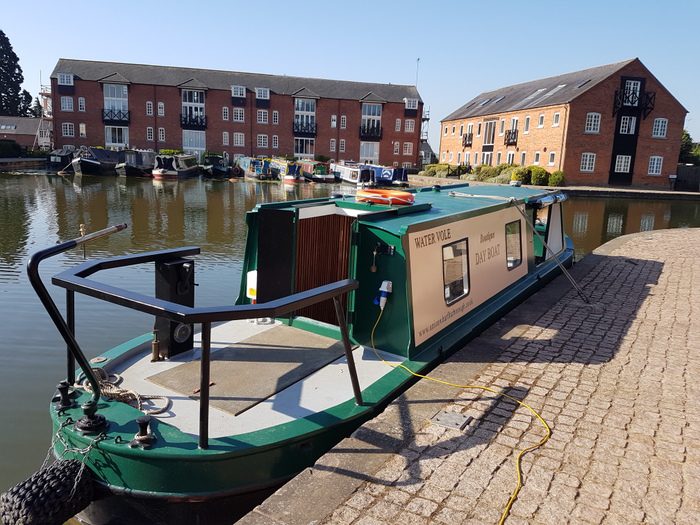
[556,179]
[538,175]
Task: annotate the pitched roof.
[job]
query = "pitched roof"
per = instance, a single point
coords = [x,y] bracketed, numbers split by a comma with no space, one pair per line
[20,125]
[115,78]
[215,79]
[551,91]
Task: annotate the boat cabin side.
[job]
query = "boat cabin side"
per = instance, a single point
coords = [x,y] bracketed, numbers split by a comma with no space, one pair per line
[442,264]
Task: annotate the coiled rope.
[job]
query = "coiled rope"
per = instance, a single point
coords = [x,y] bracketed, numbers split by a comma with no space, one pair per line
[109,388]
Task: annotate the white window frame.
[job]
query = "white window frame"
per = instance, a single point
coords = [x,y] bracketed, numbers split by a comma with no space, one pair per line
[397,148]
[66,103]
[332,145]
[161,134]
[510,157]
[587,162]
[623,163]
[161,109]
[523,157]
[501,127]
[238,139]
[409,125]
[406,165]
[238,91]
[82,130]
[444,155]
[526,127]
[499,155]
[334,121]
[149,108]
[81,104]
[397,126]
[68,129]
[411,103]
[628,125]
[262,116]
[149,134]
[540,120]
[656,163]
[275,142]
[275,117]
[238,112]
[262,140]
[660,128]
[552,158]
[124,135]
[447,128]
[262,93]
[304,147]
[555,119]
[65,79]
[341,145]
[632,86]
[592,124]
[224,113]
[224,138]
[514,123]
[536,160]
[343,122]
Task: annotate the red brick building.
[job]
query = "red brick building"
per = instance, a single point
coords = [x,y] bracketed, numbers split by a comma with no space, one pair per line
[156,107]
[614,124]
[27,132]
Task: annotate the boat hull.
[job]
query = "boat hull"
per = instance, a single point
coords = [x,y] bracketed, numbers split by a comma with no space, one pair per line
[83,166]
[160,174]
[128,170]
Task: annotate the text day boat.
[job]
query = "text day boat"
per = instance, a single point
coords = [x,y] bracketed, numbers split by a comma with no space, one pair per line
[250,404]
[175,167]
[315,171]
[353,173]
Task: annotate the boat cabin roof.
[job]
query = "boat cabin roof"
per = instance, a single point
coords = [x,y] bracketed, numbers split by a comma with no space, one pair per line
[432,205]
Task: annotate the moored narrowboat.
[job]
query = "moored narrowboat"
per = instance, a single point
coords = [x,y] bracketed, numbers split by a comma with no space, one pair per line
[96,161]
[315,171]
[215,167]
[175,167]
[388,176]
[137,163]
[286,170]
[353,173]
[253,392]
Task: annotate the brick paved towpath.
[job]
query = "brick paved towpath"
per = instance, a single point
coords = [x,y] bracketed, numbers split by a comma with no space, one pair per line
[618,381]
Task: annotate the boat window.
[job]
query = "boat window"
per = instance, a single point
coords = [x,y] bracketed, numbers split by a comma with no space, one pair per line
[455,270]
[514,251]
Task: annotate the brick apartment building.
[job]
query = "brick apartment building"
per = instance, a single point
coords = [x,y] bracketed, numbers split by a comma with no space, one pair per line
[117,105]
[27,132]
[614,124]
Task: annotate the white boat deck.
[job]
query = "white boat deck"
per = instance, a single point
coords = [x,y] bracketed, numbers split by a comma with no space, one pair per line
[321,389]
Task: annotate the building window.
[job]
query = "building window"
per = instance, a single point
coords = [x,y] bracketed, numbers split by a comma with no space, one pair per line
[275,117]
[443,156]
[224,138]
[470,128]
[660,127]
[453,130]
[238,115]
[498,158]
[239,139]
[451,156]
[224,113]
[408,148]
[411,103]
[486,158]
[627,125]
[262,116]
[526,129]
[68,129]
[587,162]
[65,79]
[275,141]
[552,156]
[459,157]
[446,130]
[371,116]
[341,145]
[622,163]
[632,88]
[194,142]
[540,121]
[116,99]
[66,103]
[489,132]
[332,145]
[592,123]
[149,108]
[343,122]
[510,157]
[193,108]
[555,120]
[502,127]
[655,163]
[149,132]
[455,270]
[466,158]
[81,103]
[238,91]
[523,156]
[304,147]
[116,136]
[461,130]
[476,158]
[646,222]
[263,94]
[161,134]
[161,109]
[397,147]
[406,165]
[82,130]
[514,123]
[397,127]
[305,114]
[334,121]
[514,250]
[536,162]
[369,152]
[262,141]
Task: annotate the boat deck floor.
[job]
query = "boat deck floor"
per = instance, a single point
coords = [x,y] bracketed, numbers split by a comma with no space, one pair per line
[261,375]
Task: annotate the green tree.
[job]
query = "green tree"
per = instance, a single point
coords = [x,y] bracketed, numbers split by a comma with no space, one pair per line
[36,109]
[686,155]
[14,101]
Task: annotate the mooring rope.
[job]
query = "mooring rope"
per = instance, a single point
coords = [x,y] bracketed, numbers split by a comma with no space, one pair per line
[109,388]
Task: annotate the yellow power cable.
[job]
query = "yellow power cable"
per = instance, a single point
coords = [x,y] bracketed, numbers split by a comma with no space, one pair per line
[518,469]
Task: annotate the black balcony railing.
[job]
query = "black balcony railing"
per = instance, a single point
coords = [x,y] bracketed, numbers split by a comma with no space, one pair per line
[304,129]
[467,139]
[511,138]
[115,116]
[371,132]
[198,122]
[631,98]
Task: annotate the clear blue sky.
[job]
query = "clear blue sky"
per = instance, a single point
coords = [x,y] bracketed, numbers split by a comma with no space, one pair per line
[465,47]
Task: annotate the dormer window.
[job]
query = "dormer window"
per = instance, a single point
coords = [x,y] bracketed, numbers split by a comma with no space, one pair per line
[411,103]
[65,79]
[262,93]
[238,91]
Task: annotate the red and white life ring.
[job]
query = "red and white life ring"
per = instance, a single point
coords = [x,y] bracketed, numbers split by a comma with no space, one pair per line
[384,196]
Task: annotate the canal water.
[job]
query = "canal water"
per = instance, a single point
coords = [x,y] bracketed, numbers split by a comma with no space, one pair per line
[37,211]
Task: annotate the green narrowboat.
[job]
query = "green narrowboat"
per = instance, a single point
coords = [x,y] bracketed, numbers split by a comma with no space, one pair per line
[333,292]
